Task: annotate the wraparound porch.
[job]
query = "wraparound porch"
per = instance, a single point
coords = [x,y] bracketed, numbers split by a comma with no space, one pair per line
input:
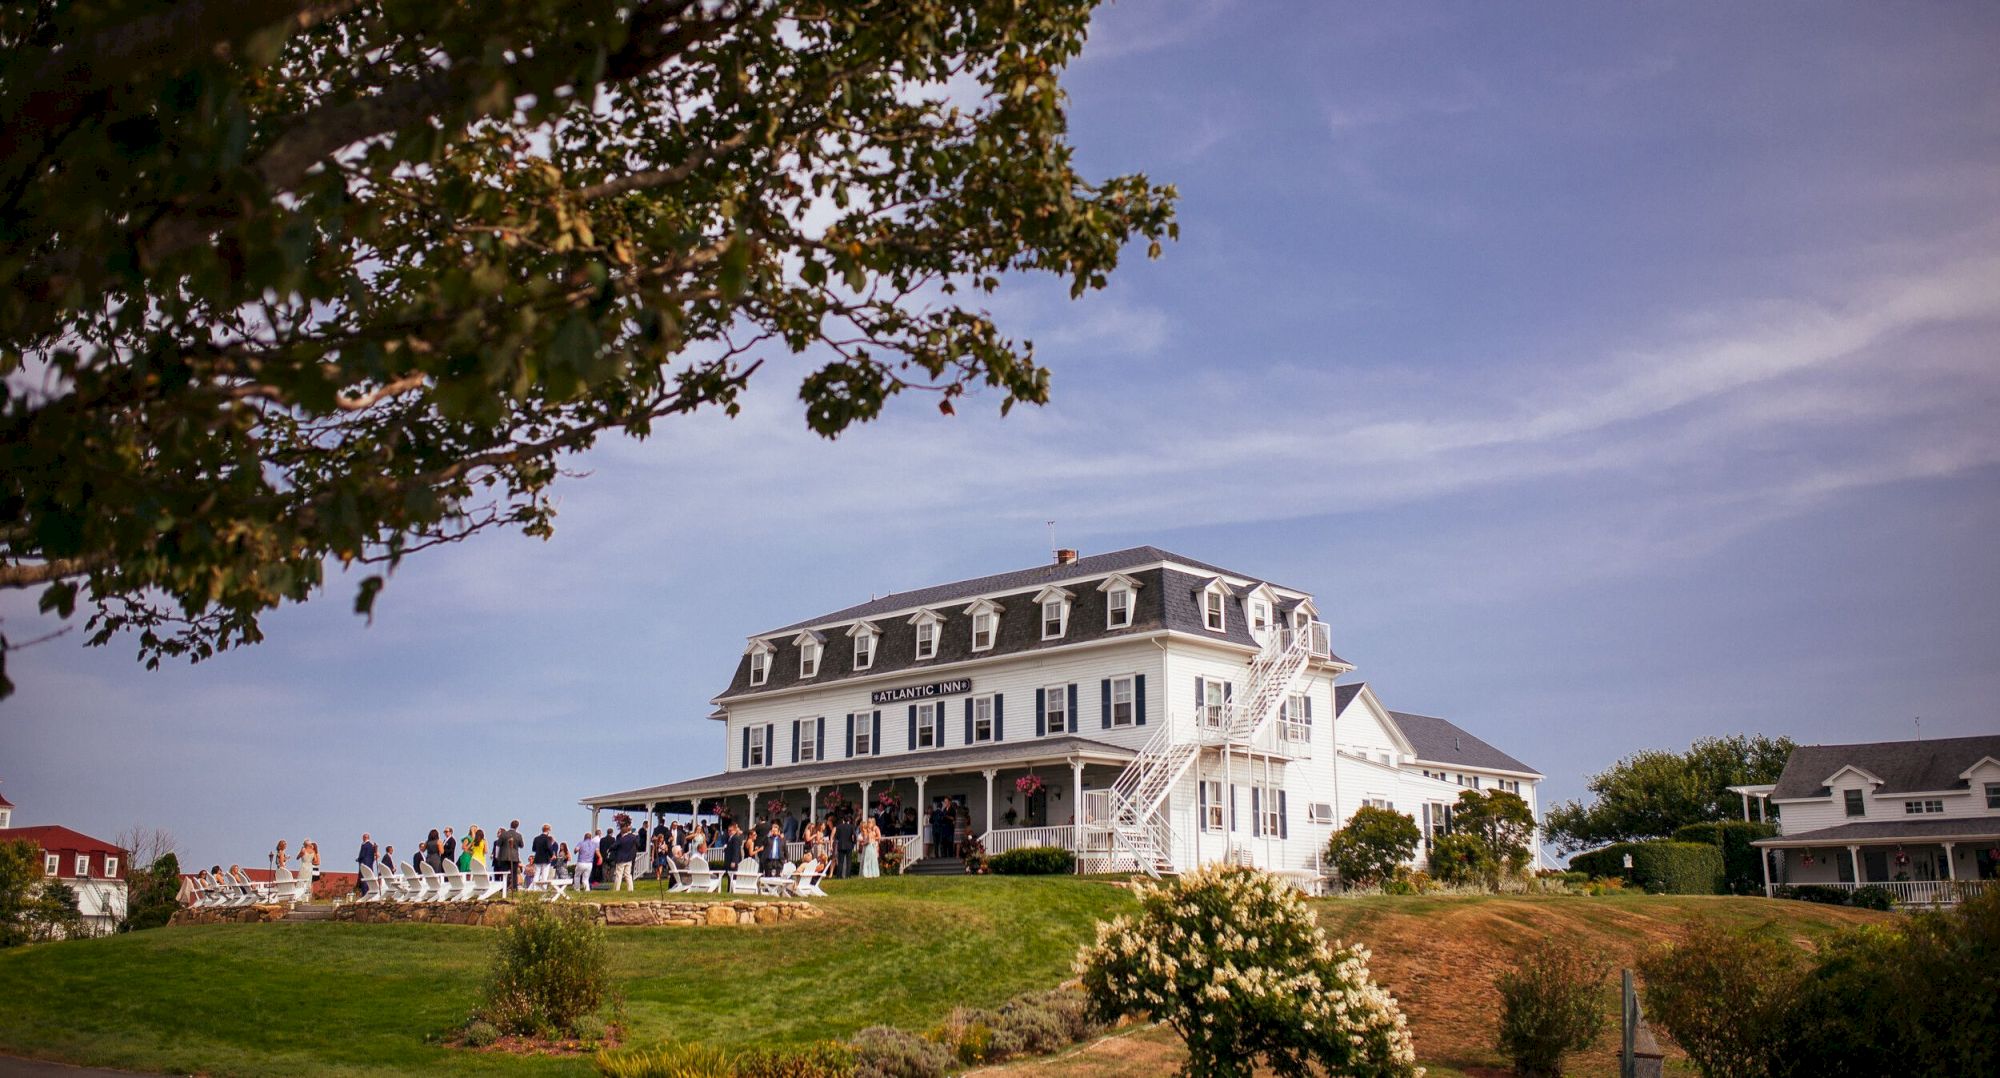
[1922,863]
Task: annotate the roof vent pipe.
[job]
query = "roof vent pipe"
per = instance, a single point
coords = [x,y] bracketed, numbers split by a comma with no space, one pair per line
[1065,557]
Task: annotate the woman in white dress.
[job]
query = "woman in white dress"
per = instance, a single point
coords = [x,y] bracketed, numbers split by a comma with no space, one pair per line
[871,842]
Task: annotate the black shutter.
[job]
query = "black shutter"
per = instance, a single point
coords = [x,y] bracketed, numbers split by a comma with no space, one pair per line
[1284,818]
[1232,806]
[746,746]
[1107,703]
[1200,698]
[770,747]
[999,717]
[850,733]
[1201,820]
[819,738]
[1256,812]
[1041,712]
[968,720]
[1309,709]
[1071,713]
[913,727]
[795,739]
[1139,699]
[875,733]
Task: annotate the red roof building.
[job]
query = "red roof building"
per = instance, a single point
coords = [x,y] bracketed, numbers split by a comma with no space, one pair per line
[92,867]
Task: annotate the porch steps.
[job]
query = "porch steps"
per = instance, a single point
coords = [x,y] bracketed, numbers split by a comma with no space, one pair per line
[311,911]
[936,866]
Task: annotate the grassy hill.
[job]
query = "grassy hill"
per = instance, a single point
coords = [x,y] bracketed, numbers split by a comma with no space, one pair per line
[1439,955]
[325,998]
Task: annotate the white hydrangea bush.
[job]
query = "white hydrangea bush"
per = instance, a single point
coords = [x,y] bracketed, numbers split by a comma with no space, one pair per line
[1234,960]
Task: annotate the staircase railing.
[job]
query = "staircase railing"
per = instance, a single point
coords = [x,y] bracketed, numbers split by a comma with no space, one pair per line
[1136,824]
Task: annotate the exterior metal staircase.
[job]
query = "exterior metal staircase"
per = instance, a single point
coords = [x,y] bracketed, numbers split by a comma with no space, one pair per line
[1138,829]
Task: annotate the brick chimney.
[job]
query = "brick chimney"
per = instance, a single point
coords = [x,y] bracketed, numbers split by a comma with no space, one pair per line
[1065,557]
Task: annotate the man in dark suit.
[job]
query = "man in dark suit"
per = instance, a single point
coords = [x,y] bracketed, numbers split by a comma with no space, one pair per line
[366,857]
[843,845]
[450,847]
[507,852]
[773,861]
[545,856]
[941,832]
[732,848]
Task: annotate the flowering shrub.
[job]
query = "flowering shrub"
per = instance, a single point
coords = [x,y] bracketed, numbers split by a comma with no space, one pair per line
[1030,784]
[1236,963]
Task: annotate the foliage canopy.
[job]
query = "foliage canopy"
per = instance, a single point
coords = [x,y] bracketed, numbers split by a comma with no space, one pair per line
[284,281]
[1653,793]
[1372,844]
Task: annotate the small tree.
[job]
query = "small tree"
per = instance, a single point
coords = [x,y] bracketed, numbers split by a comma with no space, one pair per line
[549,970]
[20,882]
[1462,859]
[1722,997]
[152,894]
[1234,961]
[1372,844]
[1550,1006]
[1501,821]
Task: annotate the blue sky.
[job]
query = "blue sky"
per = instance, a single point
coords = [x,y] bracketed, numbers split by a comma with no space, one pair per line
[1614,374]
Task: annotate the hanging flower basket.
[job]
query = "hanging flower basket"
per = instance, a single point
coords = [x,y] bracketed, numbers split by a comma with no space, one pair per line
[1901,857]
[1808,859]
[775,807]
[833,800]
[1030,784]
[885,801]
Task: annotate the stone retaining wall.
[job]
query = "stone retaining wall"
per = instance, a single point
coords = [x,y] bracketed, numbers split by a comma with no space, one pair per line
[643,914]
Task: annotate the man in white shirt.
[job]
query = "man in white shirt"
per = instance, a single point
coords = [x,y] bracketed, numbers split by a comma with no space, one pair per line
[586,856]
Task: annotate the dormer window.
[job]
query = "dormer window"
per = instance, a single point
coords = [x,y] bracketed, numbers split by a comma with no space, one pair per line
[865,636]
[52,864]
[927,634]
[760,662]
[1260,617]
[809,650]
[985,624]
[1118,592]
[83,866]
[1212,610]
[110,867]
[1054,603]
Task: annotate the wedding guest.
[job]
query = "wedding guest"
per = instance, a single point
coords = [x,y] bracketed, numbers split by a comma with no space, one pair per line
[366,858]
[586,859]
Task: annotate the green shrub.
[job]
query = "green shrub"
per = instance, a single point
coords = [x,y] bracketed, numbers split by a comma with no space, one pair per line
[1872,898]
[1921,997]
[1741,872]
[1235,962]
[590,1028]
[1661,866]
[1812,892]
[1372,845]
[1550,1006]
[152,894]
[1462,859]
[1033,861]
[667,1061]
[1041,1023]
[549,970]
[827,1059]
[1722,997]
[479,1033]
[887,1052]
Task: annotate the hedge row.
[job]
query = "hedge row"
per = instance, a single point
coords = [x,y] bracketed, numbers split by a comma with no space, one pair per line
[1741,874]
[1033,861]
[1661,866]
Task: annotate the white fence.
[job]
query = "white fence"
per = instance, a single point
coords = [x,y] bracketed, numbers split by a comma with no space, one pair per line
[1921,892]
[1000,840]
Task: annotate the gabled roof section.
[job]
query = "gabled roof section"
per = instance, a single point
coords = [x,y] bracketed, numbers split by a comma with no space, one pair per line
[809,636]
[868,627]
[1441,741]
[758,643]
[1120,580]
[1864,774]
[984,605]
[922,616]
[1096,565]
[1344,695]
[1965,774]
[1932,765]
[1374,709]
[1053,592]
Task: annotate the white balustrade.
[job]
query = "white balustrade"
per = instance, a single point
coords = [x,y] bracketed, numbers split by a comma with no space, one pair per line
[1000,840]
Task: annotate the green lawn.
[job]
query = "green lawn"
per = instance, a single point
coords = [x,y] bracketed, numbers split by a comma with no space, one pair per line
[341,999]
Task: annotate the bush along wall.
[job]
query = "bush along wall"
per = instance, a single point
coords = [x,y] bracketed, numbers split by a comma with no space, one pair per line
[1661,866]
[1033,861]
[1741,875]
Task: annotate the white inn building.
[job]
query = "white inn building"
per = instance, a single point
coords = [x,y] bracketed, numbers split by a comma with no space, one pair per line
[1192,711]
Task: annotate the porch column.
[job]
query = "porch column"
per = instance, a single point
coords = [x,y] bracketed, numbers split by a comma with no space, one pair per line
[812,807]
[1950,861]
[1745,795]
[989,773]
[1854,853]
[1076,788]
[864,800]
[923,817]
[593,817]
[1764,856]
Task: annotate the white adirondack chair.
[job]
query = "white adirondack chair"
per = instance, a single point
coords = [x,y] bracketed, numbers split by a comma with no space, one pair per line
[784,883]
[435,881]
[248,891]
[744,882]
[455,883]
[702,879]
[389,881]
[807,883]
[416,888]
[488,883]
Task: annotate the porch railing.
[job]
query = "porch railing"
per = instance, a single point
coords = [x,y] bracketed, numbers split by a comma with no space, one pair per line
[1919,892]
[1002,839]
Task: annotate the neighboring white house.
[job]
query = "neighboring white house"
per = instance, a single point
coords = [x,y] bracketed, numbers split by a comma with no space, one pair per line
[1917,817]
[1191,710]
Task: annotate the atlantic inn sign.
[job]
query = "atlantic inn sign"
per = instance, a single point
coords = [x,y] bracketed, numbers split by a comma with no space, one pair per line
[921,692]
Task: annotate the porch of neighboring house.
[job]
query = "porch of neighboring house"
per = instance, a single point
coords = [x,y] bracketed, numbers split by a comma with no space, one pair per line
[984,785]
[1935,863]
